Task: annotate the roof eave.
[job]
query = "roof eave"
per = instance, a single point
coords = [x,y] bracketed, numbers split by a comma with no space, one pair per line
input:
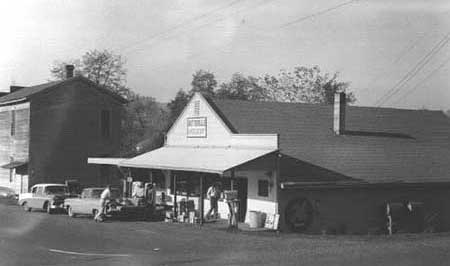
[14,101]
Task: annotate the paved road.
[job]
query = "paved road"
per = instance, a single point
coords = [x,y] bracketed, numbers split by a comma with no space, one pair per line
[40,239]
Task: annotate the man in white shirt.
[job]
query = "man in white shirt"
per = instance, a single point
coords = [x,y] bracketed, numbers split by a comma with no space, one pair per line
[104,198]
[213,194]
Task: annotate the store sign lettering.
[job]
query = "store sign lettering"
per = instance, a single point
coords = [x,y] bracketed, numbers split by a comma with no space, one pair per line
[196,127]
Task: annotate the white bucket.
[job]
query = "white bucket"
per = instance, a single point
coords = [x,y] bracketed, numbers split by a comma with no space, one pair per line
[254,219]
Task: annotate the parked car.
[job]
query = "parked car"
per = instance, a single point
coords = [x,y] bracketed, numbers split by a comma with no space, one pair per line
[88,203]
[7,195]
[49,197]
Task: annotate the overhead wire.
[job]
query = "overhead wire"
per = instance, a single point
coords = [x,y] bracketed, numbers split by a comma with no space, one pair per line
[182,24]
[432,73]
[321,12]
[259,4]
[413,71]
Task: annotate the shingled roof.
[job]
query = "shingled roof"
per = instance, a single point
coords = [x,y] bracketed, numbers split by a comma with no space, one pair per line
[379,144]
[27,92]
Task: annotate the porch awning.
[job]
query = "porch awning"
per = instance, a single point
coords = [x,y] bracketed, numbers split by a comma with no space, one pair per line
[107,161]
[14,164]
[201,159]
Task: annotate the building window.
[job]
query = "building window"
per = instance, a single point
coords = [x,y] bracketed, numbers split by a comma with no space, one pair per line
[13,122]
[105,123]
[263,188]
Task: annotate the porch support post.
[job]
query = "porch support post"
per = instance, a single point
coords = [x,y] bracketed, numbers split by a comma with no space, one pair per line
[175,196]
[277,177]
[151,176]
[200,203]
[276,182]
[124,183]
[232,179]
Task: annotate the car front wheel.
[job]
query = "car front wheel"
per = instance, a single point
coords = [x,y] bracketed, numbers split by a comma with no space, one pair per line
[26,207]
[48,208]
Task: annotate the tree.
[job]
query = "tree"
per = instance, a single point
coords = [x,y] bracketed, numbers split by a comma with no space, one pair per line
[177,105]
[204,82]
[241,88]
[303,84]
[102,67]
[144,125]
[307,85]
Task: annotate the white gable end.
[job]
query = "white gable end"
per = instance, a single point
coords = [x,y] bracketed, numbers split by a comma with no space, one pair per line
[200,125]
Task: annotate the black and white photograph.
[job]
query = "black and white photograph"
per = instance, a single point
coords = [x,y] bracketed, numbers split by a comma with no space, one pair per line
[224,132]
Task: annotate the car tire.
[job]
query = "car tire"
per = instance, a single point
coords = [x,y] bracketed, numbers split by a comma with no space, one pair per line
[70,212]
[26,207]
[47,208]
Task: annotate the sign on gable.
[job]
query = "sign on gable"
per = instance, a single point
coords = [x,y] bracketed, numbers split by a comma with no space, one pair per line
[196,127]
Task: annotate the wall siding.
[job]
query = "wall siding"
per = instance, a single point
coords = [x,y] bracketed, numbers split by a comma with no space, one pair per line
[16,146]
[65,131]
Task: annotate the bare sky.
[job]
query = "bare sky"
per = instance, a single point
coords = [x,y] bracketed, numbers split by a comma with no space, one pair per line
[372,43]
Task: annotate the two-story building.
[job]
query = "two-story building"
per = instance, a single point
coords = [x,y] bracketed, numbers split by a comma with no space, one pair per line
[48,131]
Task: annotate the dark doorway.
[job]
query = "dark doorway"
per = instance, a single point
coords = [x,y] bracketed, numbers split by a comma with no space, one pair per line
[241,185]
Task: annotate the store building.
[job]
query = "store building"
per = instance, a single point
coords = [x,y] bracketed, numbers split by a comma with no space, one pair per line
[322,168]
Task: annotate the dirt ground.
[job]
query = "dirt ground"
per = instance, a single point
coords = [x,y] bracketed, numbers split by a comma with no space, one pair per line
[37,238]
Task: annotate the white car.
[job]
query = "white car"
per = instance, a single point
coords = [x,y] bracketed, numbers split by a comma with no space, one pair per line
[49,197]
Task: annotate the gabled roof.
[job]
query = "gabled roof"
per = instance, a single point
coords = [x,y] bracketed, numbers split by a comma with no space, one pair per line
[379,145]
[28,92]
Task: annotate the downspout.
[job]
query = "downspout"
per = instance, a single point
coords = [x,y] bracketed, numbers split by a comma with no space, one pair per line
[277,182]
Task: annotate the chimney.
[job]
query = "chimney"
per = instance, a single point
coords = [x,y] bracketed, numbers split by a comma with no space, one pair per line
[69,71]
[14,88]
[339,113]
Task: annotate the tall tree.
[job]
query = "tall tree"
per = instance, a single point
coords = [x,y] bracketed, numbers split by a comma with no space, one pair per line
[241,88]
[177,105]
[203,81]
[306,85]
[144,125]
[102,67]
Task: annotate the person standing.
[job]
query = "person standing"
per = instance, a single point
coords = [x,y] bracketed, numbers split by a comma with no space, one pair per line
[213,194]
[104,198]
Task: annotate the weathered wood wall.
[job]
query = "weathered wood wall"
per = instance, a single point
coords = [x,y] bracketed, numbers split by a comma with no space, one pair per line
[65,131]
[13,147]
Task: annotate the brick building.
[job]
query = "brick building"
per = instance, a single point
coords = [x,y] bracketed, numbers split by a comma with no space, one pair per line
[48,131]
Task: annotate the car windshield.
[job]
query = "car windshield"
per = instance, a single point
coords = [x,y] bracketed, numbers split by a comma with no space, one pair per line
[56,189]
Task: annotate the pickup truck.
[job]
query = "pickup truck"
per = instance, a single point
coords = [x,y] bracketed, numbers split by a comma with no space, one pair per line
[88,203]
[49,197]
